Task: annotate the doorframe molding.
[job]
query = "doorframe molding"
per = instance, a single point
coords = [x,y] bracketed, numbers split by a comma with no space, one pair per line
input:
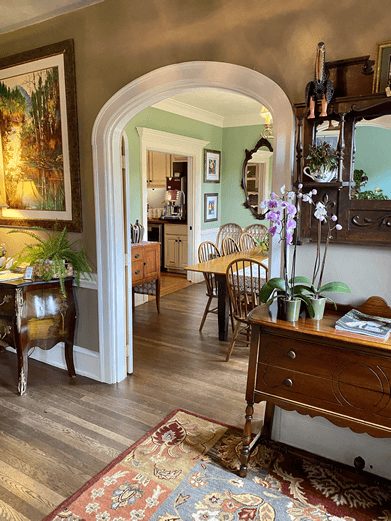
[151,139]
[108,190]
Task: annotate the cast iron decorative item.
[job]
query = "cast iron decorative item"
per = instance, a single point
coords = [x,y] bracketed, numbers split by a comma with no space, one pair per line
[40,185]
[320,88]
[212,166]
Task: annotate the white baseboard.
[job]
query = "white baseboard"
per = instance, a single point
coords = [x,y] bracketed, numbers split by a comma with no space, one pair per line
[86,361]
[319,436]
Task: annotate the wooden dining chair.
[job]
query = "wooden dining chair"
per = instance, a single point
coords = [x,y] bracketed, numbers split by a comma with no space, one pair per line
[258,231]
[207,251]
[228,230]
[245,278]
[247,242]
[229,246]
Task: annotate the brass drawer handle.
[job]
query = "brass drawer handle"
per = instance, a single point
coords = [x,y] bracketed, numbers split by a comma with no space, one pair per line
[137,272]
[292,354]
[137,256]
[288,382]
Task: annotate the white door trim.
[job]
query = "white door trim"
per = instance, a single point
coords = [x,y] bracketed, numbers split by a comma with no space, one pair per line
[151,139]
[108,191]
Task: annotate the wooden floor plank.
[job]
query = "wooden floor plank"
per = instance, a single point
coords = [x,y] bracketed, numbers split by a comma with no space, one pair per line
[73,431]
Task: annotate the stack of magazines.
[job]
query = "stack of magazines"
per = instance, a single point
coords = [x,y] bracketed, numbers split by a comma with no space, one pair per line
[357,322]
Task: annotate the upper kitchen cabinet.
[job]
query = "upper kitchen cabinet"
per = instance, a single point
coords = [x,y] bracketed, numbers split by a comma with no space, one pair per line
[357,129]
[159,168]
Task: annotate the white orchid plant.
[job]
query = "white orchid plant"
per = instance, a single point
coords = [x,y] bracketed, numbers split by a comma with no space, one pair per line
[283,212]
[325,217]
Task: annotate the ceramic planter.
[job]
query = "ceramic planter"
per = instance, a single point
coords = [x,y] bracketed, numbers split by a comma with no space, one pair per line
[289,309]
[318,305]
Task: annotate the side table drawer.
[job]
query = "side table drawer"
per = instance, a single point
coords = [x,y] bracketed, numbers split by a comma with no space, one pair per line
[329,395]
[137,271]
[326,361]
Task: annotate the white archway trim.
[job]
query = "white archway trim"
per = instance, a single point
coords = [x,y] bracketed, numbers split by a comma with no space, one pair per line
[106,140]
[151,139]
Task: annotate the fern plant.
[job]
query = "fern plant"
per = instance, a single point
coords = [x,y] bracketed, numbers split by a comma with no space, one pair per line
[51,254]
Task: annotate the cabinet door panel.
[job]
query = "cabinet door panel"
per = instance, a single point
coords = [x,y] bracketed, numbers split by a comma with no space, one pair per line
[182,253]
[170,251]
[159,167]
[151,265]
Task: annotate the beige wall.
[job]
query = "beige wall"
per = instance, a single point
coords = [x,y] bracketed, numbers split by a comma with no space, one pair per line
[119,40]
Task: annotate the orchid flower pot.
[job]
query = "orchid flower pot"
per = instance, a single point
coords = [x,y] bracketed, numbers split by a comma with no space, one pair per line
[289,309]
[318,305]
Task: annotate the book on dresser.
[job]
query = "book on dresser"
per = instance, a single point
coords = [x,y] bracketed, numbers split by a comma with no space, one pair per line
[356,322]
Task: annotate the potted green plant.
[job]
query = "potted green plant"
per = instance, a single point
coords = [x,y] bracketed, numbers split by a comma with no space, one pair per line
[322,162]
[54,256]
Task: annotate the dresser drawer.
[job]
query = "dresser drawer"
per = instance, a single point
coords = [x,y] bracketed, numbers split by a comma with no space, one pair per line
[137,253]
[340,364]
[137,271]
[329,395]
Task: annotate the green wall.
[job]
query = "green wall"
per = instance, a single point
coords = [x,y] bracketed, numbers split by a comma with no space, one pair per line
[167,122]
[235,141]
[373,155]
[231,141]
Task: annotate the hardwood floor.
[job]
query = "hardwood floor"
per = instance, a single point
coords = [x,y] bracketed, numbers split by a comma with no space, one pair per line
[59,435]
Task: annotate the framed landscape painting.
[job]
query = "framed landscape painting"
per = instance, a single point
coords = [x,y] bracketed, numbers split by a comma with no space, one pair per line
[211,209]
[39,150]
[212,166]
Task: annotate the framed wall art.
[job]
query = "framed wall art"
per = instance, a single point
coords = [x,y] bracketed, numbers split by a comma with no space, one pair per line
[211,207]
[212,166]
[383,68]
[39,149]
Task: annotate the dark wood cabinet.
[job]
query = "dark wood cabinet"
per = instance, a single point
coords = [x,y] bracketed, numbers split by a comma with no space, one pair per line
[37,314]
[312,368]
[364,221]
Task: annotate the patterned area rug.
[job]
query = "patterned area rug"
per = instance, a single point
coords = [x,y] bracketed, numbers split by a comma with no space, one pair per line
[185,470]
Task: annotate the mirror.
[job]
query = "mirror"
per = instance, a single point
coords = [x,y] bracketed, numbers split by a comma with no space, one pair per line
[256,176]
[371,165]
[327,132]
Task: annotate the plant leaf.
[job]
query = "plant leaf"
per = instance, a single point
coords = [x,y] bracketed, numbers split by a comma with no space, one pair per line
[300,280]
[335,287]
[277,283]
[266,292]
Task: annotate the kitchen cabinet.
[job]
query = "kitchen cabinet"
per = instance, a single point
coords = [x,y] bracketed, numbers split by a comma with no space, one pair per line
[146,269]
[175,246]
[159,168]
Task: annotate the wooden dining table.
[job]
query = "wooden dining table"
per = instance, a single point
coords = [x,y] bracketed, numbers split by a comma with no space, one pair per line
[218,268]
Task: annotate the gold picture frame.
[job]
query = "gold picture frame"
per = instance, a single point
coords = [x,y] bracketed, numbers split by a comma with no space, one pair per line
[382,76]
[39,147]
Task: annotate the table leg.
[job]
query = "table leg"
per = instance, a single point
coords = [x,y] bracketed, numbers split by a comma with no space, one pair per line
[158,295]
[22,369]
[223,307]
[245,453]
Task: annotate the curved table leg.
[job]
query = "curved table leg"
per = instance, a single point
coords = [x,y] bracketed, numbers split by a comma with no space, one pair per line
[22,370]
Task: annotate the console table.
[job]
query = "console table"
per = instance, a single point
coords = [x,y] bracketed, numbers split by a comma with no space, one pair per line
[312,368]
[36,314]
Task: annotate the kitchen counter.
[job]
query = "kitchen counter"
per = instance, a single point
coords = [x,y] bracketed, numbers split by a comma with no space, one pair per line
[166,221]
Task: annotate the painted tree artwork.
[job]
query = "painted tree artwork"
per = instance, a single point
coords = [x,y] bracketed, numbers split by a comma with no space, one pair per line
[39,162]
[31,141]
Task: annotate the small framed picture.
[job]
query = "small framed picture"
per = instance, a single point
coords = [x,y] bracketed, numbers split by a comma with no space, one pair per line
[212,166]
[382,78]
[29,273]
[211,207]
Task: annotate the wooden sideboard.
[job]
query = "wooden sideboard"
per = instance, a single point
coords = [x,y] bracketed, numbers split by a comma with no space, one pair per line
[37,314]
[146,269]
[312,368]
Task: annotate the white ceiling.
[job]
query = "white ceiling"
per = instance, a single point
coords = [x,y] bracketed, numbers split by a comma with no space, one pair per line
[215,106]
[21,13]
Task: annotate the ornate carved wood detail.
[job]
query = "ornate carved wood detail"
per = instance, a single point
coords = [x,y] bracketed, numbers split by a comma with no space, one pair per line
[368,222]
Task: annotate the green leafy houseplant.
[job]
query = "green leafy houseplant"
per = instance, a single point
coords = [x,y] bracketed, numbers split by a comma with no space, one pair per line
[52,254]
[360,179]
[274,289]
[322,157]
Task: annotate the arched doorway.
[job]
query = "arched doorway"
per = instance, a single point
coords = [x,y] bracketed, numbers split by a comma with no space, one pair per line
[106,145]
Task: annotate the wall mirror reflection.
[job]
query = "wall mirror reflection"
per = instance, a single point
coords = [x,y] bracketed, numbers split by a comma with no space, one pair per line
[371,166]
[257,176]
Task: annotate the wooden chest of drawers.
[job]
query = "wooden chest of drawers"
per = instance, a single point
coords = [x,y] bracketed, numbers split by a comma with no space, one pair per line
[313,369]
[146,269]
